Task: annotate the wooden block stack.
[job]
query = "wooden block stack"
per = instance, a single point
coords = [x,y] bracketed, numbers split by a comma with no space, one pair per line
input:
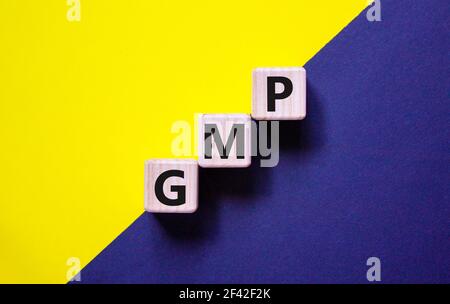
[224,140]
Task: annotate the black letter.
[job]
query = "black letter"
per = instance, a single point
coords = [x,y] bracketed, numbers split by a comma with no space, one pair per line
[272,96]
[181,190]
[224,151]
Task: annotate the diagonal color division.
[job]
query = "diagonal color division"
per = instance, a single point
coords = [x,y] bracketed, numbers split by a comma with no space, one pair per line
[365,175]
[83,104]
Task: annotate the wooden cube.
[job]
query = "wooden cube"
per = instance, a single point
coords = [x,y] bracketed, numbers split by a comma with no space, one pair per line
[224,140]
[171,185]
[279,93]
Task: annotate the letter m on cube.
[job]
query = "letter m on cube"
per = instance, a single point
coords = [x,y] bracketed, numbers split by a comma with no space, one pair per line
[224,140]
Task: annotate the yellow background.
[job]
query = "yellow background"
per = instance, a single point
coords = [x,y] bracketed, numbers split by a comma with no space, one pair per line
[83,104]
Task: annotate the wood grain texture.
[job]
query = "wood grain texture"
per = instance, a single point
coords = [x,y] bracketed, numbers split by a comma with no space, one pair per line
[154,168]
[291,108]
[224,124]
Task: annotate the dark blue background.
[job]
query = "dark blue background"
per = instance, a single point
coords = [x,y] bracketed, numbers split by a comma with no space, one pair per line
[366,174]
